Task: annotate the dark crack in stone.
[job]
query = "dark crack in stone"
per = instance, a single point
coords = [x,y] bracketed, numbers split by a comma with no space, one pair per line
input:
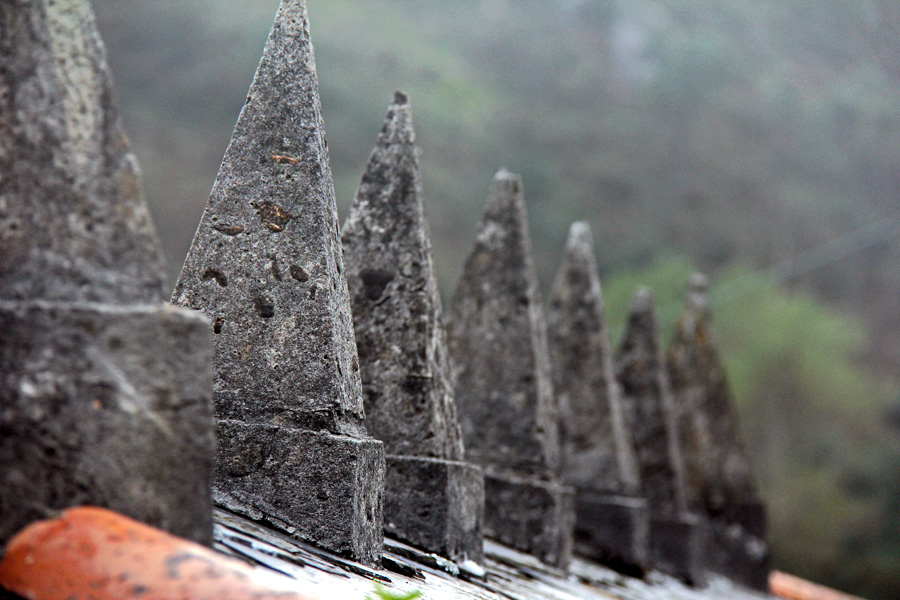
[285,351]
[432,499]
[504,391]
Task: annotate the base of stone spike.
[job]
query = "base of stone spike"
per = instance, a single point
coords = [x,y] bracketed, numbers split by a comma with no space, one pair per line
[436,505]
[738,555]
[322,488]
[530,515]
[679,546]
[613,530]
[108,406]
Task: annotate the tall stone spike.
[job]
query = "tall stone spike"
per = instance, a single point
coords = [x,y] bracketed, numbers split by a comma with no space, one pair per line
[433,499]
[75,227]
[677,538]
[504,391]
[611,523]
[104,390]
[719,476]
[265,266]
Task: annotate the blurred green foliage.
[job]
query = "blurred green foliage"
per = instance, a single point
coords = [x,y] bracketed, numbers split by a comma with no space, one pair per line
[736,134]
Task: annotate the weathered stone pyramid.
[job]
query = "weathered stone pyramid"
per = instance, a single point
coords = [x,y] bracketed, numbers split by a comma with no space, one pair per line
[719,479]
[504,391]
[611,523]
[677,538]
[265,266]
[433,499]
[104,390]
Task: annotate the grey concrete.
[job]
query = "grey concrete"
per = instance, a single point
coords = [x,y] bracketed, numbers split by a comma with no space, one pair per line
[403,356]
[677,537]
[719,476]
[265,265]
[504,391]
[598,457]
[105,392]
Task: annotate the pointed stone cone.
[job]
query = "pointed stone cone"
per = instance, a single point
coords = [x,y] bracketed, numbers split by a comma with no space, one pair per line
[504,391]
[677,538]
[433,499]
[718,474]
[265,266]
[73,225]
[611,522]
[105,393]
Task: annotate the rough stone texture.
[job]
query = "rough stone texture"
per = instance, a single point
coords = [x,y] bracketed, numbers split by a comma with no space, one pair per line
[718,475]
[650,409]
[504,390]
[104,391]
[435,504]
[597,451]
[265,266]
[73,226]
[403,357]
[107,406]
[677,537]
[314,484]
[533,516]
[598,457]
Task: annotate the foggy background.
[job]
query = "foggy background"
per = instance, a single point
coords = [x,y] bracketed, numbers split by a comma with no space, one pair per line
[757,140]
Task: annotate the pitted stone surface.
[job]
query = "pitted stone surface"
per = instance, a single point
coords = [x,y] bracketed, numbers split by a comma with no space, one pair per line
[498,343]
[265,264]
[597,448]
[397,311]
[650,410]
[432,499]
[104,391]
[718,472]
[93,413]
[73,225]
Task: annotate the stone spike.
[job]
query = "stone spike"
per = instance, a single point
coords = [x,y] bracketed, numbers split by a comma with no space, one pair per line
[677,538]
[432,499]
[73,223]
[651,409]
[504,392]
[611,521]
[498,342]
[597,450]
[265,265]
[717,466]
[718,473]
[105,393]
[396,308]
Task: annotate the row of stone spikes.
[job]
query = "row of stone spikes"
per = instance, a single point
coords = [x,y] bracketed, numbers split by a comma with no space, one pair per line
[108,395]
